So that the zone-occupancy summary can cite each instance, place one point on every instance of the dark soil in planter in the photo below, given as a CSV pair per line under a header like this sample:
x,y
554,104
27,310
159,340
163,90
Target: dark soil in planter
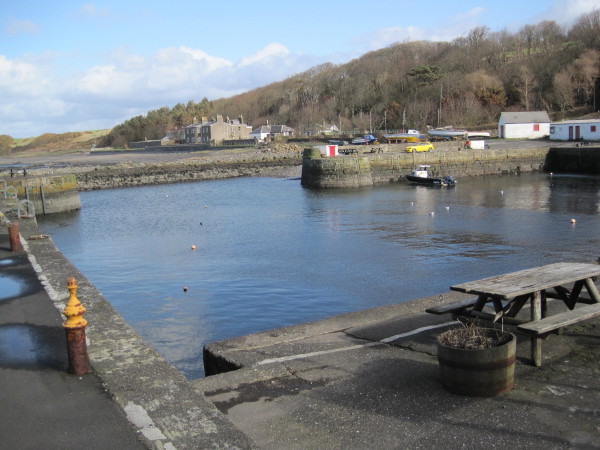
x,y
474,338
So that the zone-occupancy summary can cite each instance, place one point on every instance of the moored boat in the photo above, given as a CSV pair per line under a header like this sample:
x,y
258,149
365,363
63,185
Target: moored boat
x,y
421,176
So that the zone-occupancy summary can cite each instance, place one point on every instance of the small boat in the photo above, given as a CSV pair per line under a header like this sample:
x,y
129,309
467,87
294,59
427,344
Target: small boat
x,y
409,136
367,139
472,134
446,133
421,176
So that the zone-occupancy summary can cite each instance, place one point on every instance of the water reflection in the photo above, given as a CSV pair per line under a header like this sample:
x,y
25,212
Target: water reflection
x,y
270,253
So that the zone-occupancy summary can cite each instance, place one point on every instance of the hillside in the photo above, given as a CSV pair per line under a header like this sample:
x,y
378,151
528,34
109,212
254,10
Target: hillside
x,y
57,143
463,83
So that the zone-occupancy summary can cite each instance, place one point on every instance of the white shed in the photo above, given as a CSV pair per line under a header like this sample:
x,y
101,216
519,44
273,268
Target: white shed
x,y
574,130
524,125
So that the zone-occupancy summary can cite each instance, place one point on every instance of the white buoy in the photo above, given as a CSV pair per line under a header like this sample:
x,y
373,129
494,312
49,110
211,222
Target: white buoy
x,y
447,207
193,247
573,221
502,192
432,213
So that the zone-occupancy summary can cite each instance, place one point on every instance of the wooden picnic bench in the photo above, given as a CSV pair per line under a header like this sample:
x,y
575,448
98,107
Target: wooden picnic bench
x,y
508,293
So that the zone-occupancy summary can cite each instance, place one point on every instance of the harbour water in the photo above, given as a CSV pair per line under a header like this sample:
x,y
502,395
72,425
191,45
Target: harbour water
x,y
270,253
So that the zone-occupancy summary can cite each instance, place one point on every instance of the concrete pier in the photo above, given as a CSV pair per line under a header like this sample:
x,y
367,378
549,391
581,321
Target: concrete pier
x,y
389,164
49,194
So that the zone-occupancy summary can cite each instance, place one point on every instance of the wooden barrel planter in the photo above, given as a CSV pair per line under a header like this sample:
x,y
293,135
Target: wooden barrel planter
x,y
478,372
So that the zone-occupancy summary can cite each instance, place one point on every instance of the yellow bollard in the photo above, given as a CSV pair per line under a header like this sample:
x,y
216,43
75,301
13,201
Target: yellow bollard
x,y
75,331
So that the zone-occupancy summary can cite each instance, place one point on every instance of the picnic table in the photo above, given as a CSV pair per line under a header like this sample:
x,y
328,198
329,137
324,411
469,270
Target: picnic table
x,y
508,293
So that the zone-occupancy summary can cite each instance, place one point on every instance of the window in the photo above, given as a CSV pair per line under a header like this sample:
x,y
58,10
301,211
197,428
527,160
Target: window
x,y
552,130
536,127
593,128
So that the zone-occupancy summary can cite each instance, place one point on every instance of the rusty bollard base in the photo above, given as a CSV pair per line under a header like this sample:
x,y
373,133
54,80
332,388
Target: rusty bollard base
x,y
14,237
75,332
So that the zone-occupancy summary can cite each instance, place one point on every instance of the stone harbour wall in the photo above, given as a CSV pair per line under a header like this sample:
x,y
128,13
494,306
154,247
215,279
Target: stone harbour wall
x,y
110,177
378,167
49,194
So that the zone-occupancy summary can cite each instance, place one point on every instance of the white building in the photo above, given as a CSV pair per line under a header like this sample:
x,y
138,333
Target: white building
x,y
524,125
271,131
574,130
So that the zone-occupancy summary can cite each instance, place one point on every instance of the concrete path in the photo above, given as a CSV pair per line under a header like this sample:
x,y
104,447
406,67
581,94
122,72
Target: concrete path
x,y
363,380
371,380
42,405
132,399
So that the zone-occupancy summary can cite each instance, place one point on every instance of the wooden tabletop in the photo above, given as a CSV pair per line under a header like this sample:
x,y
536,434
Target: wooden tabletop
x,y
530,280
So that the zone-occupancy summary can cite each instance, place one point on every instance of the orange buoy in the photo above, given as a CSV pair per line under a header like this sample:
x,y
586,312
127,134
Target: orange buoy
x,y
193,247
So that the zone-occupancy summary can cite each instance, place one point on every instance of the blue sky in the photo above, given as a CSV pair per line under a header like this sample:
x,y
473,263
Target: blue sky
x,y
76,65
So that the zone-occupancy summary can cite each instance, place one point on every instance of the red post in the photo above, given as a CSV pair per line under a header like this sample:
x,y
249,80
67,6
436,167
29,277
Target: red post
x,y
14,237
79,363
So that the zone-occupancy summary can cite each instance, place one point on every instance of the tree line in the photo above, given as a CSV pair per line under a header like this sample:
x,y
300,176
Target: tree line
x,y
463,83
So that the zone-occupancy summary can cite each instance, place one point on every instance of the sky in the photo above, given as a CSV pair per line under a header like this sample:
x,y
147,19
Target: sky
x,y
75,65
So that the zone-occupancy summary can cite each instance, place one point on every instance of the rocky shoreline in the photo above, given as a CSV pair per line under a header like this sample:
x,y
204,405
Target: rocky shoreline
x,y
114,177
125,170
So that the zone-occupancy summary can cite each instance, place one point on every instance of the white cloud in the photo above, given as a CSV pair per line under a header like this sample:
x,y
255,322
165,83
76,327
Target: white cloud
x,y
90,10
566,12
15,27
21,79
271,52
127,84
390,35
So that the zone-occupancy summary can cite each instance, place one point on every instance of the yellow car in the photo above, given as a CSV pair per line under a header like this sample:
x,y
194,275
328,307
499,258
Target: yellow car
x,y
420,147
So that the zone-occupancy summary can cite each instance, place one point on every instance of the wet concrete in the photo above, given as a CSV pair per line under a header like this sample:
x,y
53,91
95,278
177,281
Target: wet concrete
x,y
132,399
368,379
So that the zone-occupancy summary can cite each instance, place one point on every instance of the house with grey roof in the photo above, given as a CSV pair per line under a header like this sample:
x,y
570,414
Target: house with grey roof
x,y
271,131
524,125
215,131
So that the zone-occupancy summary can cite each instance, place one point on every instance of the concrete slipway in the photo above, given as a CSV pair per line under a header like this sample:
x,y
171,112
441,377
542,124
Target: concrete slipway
x,y
362,380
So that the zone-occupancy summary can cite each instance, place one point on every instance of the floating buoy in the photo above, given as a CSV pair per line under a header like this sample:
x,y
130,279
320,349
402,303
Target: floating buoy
x,y
502,192
447,207
185,289
573,221
432,213
193,247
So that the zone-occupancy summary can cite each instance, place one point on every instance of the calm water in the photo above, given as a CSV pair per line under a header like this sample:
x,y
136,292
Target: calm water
x,y
270,253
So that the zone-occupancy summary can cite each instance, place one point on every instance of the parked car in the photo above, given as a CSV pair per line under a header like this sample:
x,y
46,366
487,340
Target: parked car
x,y
420,147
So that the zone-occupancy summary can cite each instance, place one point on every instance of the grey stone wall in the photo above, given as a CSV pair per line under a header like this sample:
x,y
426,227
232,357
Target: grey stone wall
x,y
367,169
